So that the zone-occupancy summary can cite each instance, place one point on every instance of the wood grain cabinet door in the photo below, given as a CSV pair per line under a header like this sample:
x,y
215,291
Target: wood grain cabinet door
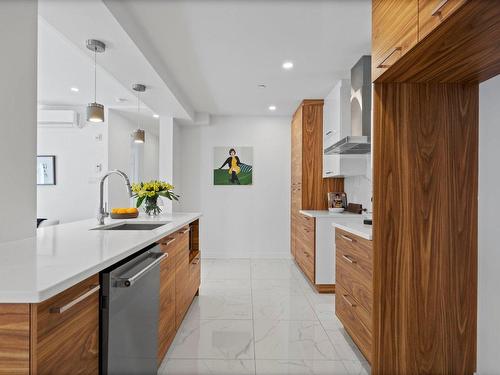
x,y
394,32
182,276
166,322
432,12
68,331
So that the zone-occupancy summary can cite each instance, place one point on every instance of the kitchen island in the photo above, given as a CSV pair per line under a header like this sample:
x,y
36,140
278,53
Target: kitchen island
x,y
49,289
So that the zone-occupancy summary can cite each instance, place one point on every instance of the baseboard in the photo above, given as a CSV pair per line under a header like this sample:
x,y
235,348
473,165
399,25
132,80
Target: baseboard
x,y
325,288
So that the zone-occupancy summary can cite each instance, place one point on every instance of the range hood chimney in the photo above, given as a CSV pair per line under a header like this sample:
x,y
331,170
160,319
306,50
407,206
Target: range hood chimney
x,y
359,142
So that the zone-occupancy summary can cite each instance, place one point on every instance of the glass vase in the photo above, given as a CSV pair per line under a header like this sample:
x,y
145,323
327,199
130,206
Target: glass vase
x,y
151,206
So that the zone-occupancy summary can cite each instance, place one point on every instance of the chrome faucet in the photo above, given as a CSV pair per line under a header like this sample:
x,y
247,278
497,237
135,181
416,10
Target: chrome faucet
x,y
102,209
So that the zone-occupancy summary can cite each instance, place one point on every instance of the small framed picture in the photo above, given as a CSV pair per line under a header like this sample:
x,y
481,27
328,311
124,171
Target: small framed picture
x,y
46,170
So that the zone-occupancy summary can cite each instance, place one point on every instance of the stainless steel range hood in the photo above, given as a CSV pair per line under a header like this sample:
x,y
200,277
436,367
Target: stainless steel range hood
x,y
359,142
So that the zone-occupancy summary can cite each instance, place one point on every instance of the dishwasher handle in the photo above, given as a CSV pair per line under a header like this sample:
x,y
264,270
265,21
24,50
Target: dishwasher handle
x,y
129,281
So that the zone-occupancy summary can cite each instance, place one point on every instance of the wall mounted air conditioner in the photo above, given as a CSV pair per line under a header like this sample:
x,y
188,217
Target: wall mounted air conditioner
x,y
58,118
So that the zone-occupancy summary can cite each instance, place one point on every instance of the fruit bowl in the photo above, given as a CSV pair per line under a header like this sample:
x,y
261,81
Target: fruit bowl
x,y
124,213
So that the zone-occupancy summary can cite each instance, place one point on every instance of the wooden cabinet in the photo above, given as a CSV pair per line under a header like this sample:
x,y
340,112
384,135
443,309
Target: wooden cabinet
x,y
394,32
354,288
57,336
180,278
167,327
309,189
432,12
67,331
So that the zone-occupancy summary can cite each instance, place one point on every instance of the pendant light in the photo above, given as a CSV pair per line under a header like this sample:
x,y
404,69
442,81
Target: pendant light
x,y
95,111
139,135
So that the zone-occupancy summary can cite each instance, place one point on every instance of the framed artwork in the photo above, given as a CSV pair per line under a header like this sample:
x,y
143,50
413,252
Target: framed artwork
x,y
46,170
233,165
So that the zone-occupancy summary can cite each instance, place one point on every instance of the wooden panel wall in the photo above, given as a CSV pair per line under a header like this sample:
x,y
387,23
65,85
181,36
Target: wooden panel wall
x,y
425,228
14,339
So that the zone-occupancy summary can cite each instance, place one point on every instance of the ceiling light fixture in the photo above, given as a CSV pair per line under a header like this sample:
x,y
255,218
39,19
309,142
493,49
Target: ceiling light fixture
x,y
95,111
139,136
156,116
262,86
287,65
272,108
75,89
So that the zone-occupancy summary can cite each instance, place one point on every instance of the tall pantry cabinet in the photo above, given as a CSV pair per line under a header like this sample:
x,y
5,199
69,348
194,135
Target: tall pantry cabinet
x,y
309,189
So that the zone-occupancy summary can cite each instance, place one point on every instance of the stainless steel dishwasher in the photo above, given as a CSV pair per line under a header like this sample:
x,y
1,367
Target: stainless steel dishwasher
x,y
129,314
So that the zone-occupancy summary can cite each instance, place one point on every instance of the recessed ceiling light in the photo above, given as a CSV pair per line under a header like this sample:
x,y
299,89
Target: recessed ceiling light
x,y
75,89
156,116
262,86
272,108
287,65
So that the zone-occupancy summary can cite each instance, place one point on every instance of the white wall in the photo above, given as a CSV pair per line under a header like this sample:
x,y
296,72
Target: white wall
x,y
177,156
138,161
166,166
78,151
489,227
239,221
18,74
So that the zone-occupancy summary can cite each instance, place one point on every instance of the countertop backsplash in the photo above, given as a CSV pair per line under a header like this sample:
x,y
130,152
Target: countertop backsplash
x,y
359,190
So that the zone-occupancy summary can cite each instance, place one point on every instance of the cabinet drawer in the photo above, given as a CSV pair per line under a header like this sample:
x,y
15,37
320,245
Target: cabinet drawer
x,y
356,320
68,331
394,32
356,284
355,251
432,12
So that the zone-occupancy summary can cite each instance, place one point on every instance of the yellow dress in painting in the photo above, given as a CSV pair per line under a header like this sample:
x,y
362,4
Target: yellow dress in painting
x,y
234,166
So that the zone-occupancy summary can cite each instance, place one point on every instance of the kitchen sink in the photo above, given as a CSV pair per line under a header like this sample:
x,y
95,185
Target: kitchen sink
x,y
132,226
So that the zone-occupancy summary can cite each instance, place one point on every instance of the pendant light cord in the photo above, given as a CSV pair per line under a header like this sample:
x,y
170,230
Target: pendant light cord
x,y
95,75
138,110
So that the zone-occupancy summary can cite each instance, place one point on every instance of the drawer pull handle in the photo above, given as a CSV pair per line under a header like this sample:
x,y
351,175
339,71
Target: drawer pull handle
x,y
185,231
391,52
328,132
347,238
306,254
69,305
195,261
437,10
349,259
347,300
169,241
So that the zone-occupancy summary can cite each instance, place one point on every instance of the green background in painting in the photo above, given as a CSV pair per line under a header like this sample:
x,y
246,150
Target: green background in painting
x,y
222,177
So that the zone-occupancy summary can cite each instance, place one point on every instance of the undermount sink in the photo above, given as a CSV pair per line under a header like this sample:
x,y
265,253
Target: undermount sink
x,y
132,226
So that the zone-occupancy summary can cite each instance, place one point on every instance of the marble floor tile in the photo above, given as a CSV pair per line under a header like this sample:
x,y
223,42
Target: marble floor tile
x,y
299,367
223,306
213,339
271,269
282,307
218,287
344,345
357,367
228,269
290,287
292,340
295,328
207,367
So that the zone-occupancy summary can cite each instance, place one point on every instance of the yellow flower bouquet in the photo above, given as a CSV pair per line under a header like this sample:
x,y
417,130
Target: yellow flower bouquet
x,y
148,193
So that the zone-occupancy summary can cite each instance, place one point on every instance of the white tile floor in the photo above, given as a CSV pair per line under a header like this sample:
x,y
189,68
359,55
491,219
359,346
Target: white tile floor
x,y
260,317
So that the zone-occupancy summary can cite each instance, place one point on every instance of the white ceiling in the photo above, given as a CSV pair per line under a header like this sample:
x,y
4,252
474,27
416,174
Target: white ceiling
x,y
61,65
216,52
78,21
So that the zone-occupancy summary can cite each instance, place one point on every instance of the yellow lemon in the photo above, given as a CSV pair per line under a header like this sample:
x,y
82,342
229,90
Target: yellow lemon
x,y
131,210
114,210
121,211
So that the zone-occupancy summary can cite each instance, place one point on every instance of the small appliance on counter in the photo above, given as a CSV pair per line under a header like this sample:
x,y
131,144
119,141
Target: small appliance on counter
x,y
337,202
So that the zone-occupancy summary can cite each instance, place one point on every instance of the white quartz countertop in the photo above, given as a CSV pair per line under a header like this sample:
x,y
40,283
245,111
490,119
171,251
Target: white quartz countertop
x,y
355,227
35,269
328,214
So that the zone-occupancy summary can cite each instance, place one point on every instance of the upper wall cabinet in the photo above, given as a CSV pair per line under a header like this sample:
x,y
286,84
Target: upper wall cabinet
x,y
337,114
395,32
432,12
